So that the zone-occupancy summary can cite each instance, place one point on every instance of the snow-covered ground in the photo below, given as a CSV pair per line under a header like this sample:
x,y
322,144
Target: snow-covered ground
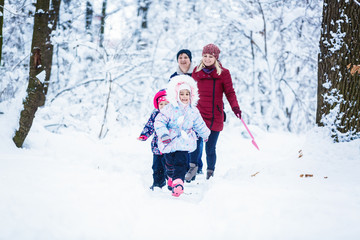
x,y
73,186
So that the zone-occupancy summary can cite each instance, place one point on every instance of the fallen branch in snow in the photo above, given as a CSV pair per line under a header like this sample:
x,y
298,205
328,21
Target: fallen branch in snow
x,y
354,69
306,175
253,175
300,153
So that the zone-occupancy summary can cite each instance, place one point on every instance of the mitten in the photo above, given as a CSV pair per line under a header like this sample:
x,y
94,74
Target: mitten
x,y
165,139
205,140
142,138
237,111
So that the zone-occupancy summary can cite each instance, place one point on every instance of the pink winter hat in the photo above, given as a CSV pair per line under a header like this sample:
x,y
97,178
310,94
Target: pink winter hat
x,y
159,97
211,49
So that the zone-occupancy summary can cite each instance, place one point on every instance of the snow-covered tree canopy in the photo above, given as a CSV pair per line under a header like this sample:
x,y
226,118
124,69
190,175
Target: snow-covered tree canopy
x,y
270,48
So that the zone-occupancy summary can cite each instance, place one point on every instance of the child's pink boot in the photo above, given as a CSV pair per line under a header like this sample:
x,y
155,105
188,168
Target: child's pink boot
x,y
178,187
170,183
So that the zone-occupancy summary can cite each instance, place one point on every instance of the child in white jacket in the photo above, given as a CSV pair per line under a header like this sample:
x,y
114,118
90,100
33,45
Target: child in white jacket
x,y
176,125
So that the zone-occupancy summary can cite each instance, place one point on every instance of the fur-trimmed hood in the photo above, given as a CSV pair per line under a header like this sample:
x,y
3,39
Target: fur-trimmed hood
x,y
173,89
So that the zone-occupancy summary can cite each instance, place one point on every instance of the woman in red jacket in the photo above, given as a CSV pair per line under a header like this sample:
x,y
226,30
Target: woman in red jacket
x,y
213,82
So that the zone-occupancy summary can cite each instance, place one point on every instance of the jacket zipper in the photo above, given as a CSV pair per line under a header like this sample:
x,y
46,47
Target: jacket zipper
x,y
213,106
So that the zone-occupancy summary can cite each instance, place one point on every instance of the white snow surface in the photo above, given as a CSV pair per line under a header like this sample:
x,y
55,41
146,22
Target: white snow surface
x,y
74,186
69,185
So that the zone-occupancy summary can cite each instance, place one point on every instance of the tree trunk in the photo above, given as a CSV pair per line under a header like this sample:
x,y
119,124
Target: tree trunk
x,y
88,17
1,26
142,12
338,104
102,27
45,22
143,7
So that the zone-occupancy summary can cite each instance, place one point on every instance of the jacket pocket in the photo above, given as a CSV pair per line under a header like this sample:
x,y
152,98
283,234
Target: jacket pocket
x,y
221,112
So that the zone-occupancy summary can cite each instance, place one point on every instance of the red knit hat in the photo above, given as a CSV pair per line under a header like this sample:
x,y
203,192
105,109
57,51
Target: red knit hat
x,y
159,96
211,49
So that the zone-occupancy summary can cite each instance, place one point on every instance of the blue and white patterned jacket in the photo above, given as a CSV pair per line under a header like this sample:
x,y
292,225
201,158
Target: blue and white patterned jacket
x,y
149,130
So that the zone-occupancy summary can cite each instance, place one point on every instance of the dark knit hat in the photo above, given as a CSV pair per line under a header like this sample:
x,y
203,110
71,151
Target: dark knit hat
x,y
211,49
186,51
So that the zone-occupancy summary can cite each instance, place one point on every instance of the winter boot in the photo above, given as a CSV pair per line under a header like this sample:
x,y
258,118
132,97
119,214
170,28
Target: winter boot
x,y
191,174
209,173
170,183
159,185
178,187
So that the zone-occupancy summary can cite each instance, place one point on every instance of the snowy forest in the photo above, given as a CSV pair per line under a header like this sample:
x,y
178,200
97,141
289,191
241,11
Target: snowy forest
x,y
77,84
108,58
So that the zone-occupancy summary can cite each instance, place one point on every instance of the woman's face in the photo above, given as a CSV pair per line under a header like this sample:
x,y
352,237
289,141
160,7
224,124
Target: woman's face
x,y
184,96
184,62
208,59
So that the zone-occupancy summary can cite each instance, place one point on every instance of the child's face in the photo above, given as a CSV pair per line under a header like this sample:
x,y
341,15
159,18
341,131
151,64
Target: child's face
x,y
184,96
162,104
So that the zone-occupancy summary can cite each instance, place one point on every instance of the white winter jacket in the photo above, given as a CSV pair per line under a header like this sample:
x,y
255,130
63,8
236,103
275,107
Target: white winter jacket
x,y
180,122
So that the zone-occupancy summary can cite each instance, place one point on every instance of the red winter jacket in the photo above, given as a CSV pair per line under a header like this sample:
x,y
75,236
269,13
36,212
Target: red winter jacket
x,y
211,89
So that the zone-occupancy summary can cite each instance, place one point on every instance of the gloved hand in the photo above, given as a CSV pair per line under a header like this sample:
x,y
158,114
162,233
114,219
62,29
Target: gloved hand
x,y
165,139
142,138
237,111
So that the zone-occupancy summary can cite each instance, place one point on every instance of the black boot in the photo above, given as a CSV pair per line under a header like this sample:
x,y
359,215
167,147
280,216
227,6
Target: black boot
x,y
209,173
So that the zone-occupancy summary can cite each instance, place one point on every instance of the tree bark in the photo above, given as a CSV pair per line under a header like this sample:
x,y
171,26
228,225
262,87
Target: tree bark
x,y
338,103
1,26
45,22
102,27
88,17
142,12
143,7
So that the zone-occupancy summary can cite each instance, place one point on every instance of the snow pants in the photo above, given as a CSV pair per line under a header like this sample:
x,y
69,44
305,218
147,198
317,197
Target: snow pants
x,y
195,156
158,169
210,149
176,164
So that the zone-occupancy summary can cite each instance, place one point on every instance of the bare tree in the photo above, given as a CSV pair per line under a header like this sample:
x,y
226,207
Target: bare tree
x,y
88,17
338,104
45,22
143,8
1,25
102,26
